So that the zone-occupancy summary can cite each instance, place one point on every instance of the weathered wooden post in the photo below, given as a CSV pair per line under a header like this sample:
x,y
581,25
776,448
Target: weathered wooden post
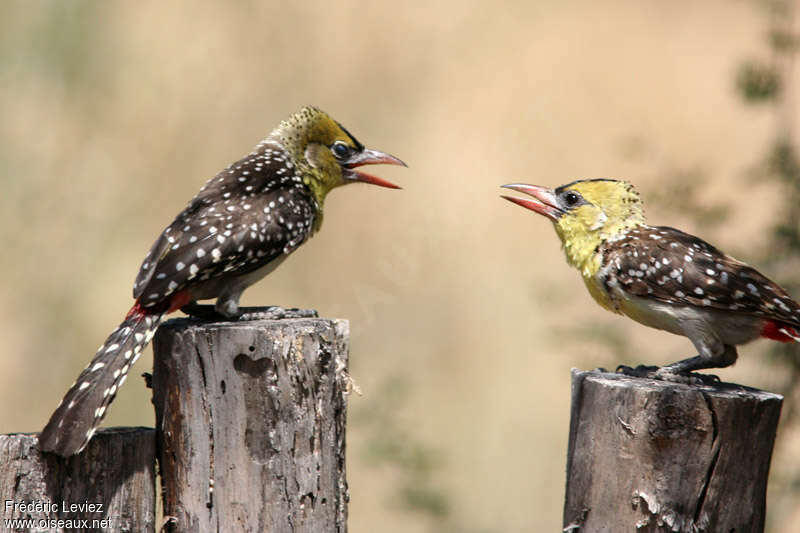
x,y
653,456
110,486
251,424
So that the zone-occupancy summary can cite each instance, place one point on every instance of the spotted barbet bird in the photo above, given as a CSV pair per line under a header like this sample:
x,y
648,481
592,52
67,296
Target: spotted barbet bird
x,y
241,225
662,277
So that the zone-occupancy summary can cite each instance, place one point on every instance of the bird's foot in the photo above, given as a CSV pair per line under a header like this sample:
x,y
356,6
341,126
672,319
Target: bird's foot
x,y
244,314
666,373
275,313
641,371
687,378
203,312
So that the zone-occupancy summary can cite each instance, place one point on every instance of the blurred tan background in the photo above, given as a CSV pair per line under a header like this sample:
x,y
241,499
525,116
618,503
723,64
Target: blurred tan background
x,y
465,318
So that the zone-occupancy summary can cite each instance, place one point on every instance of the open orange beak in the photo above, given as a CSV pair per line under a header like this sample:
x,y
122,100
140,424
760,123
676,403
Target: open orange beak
x,y
370,157
545,202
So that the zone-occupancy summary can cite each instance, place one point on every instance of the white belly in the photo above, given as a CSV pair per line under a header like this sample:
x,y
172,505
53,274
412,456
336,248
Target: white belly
x,y
688,320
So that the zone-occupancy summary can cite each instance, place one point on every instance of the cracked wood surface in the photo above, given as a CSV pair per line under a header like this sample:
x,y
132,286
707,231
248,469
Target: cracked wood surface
x,y
110,486
252,424
655,456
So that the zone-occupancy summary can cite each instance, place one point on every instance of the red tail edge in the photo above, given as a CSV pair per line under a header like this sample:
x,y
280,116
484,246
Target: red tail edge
x,y
780,332
178,300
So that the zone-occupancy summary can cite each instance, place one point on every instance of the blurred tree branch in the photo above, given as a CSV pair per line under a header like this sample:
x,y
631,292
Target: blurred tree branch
x,y
771,83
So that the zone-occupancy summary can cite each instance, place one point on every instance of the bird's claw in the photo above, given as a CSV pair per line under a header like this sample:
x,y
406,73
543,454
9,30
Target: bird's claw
x,y
665,373
641,371
275,313
203,312
687,378
245,314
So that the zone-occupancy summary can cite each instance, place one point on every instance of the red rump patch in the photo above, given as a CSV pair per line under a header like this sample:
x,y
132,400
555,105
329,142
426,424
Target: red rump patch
x,y
779,332
178,300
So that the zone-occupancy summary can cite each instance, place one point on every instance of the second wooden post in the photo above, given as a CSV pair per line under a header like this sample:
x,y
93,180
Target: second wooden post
x,y
654,456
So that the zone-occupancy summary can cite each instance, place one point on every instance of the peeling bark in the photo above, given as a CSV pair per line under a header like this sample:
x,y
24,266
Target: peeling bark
x,y
250,419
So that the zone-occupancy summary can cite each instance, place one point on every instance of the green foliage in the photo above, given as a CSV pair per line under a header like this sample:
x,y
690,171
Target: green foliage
x,y
426,500
783,164
419,467
391,444
74,33
783,41
757,82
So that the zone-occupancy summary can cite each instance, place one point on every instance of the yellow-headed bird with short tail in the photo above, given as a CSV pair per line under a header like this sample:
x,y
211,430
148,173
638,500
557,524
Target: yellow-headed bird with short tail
x,y
660,276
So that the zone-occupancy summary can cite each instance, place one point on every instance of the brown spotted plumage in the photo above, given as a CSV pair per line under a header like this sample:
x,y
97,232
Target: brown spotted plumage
x,y
241,225
673,267
661,276
253,212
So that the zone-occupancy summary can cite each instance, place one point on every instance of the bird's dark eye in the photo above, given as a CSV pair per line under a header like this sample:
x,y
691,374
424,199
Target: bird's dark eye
x,y
340,150
572,198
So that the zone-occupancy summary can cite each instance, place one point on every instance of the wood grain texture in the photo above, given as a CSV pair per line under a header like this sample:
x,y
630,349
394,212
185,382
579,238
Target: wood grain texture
x,y
110,485
251,419
655,456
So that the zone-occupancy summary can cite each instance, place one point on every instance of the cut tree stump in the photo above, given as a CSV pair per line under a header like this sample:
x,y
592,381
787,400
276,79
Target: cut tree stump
x,y
110,486
654,456
250,419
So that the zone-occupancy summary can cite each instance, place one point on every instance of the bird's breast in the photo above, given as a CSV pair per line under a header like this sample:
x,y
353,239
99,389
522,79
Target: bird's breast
x,y
600,293
657,314
214,287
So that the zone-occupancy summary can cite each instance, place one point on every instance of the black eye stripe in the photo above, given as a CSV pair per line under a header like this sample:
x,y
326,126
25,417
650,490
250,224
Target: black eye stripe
x,y
358,146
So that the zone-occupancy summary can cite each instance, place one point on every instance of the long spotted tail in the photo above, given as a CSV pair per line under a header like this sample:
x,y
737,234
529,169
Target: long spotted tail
x,y
80,412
